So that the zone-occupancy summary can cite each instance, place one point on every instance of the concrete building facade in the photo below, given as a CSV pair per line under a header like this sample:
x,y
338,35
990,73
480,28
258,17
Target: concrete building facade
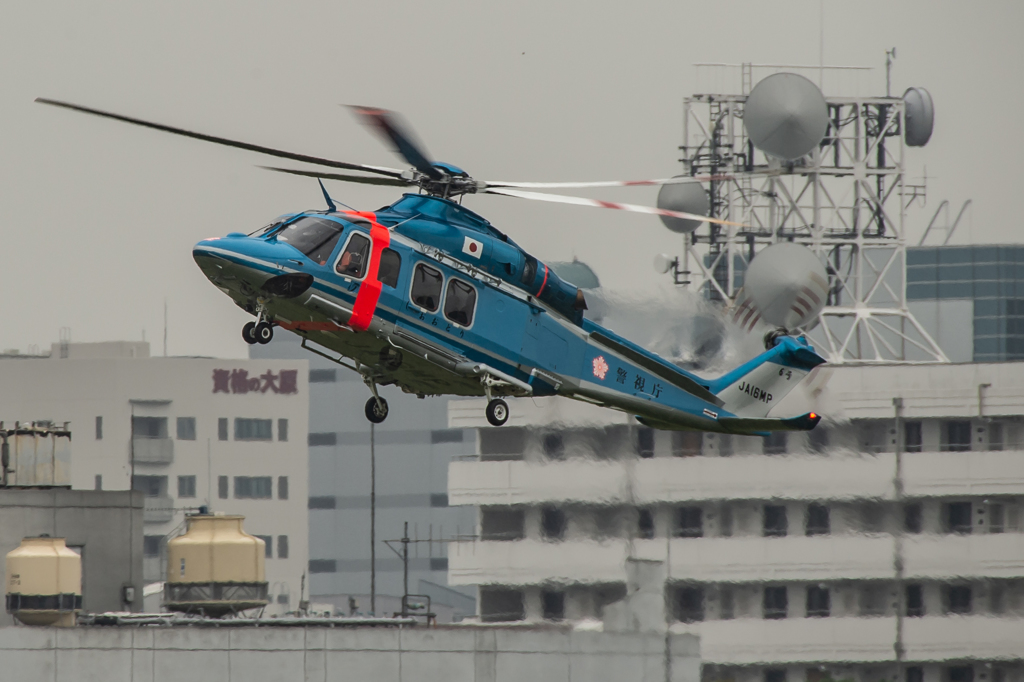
x,y
104,527
869,549
412,450
186,432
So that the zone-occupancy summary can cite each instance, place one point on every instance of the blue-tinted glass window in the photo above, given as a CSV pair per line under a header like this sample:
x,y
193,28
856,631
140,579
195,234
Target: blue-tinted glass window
x,y
985,289
956,273
925,256
986,345
955,255
921,273
988,326
986,254
955,290
921,291
988,308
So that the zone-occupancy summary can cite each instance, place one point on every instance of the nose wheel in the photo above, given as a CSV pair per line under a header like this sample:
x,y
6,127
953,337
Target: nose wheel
x,y
497,412
376,410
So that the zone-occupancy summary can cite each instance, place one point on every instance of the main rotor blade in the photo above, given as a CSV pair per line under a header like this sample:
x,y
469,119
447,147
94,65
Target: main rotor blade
x,y
679,180
379,170
364,179
388,125
580,201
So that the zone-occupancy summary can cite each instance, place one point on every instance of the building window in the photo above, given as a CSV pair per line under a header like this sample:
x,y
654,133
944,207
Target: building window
x,y
99,482
323,566
282,487
996,518
268,545
686,443
912,437
958,599
186,486
995,436
913,521
322,376
553,604
446,436
817,521
501,524
956,436
689,522
726,603
645,442
253,487
914,673
957,517
690,604
915,601
322,502
552,523
151,545
819,602
774,521
324,438
150,486
282,430
149,427
439,563
438,499
554,448
253,429
775,443
774,675
186,427
874,599
99,428
959,673
645,524
222,428
499,605
776,602
222,487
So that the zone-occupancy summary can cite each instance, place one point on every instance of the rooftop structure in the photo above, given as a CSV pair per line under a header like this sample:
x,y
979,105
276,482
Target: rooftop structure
x,y
886,544
186,432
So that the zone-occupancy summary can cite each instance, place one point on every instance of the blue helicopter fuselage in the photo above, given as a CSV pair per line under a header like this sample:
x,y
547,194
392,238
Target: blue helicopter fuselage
x,y
428,296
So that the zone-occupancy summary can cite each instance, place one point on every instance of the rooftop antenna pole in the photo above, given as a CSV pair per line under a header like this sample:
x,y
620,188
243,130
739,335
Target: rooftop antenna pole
x,y
821,44
890,55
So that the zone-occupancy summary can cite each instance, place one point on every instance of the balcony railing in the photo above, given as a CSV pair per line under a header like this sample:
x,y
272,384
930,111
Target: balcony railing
x,y
152,450
158,510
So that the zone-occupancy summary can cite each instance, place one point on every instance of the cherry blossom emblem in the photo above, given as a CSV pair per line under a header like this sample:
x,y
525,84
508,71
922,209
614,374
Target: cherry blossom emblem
x,y
600,367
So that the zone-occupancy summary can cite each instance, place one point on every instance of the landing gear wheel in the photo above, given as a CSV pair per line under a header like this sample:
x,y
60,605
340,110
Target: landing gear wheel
x,y
497,412
376,413
772,338
263,332
249,333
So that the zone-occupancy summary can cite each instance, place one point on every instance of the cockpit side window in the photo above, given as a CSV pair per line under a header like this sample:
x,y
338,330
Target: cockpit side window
x,y
315,237
529,271
460,302
426,287
390,266
355,257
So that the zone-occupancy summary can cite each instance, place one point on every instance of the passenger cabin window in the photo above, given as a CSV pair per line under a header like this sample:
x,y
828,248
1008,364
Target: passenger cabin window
x,y
355,257
390,265
426,287
459,303
315,237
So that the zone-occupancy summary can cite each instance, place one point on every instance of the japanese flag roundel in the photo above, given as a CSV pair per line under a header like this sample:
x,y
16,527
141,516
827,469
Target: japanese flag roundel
x,y
472,247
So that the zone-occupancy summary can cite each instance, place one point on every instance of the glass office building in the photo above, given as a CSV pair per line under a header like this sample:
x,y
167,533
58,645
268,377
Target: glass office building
x,y
947,286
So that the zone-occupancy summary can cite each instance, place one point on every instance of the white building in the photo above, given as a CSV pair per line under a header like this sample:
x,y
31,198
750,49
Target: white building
x,y
226,434
829,555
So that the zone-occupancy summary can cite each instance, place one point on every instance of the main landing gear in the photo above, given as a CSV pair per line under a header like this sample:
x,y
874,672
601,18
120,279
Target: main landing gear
x,y
258,331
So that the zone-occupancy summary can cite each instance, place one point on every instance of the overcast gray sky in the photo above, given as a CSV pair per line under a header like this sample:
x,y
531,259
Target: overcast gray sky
x,y
99,218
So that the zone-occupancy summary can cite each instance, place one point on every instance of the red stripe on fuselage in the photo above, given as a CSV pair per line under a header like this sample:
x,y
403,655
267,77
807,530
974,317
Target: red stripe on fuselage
x,y
369,290
544,283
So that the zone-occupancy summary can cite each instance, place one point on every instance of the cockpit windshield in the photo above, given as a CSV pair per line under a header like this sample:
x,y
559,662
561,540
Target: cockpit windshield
x,y
316,237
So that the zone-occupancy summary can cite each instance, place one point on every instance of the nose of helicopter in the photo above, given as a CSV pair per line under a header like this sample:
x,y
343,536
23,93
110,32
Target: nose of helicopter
x,y
230,260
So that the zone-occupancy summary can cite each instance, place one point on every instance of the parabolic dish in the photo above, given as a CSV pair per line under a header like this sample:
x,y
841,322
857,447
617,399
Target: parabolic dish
x,y
919,117
686,197
786,116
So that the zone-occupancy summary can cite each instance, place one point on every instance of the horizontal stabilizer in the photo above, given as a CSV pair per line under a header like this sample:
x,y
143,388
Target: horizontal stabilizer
x,y
761,427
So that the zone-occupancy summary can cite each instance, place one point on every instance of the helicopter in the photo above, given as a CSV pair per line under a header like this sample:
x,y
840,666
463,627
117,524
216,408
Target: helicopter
x,y
428,296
